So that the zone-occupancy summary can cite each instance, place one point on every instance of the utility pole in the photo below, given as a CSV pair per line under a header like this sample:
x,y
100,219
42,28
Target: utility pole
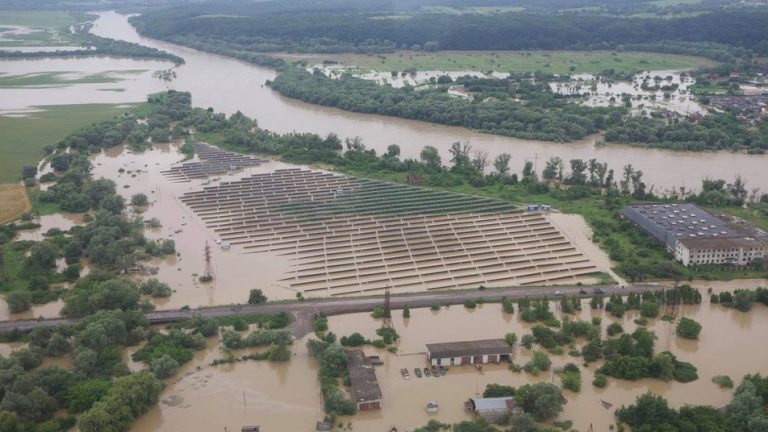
x,y
208,273
387,310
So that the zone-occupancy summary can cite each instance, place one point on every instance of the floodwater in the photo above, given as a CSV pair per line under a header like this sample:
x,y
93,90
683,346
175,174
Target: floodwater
x,y
272,389
237,270
229,85
133,81
280,396
575,228
597,91
235,273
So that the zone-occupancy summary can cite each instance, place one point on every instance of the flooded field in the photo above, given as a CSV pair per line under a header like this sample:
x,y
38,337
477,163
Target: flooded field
x,y
239,261
649,91
63,81
661,90
277,396
271,390
235,272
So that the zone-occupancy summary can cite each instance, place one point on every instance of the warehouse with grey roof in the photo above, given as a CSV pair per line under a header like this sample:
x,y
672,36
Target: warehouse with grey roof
x,y
695,236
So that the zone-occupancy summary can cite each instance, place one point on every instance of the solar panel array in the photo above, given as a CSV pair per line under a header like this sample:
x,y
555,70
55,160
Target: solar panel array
x,y
212,161
351,235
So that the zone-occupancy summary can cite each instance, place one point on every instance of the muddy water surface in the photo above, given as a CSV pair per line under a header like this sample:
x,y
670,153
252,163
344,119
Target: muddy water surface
x,y
229,85
236,273
286,396
727,334
277,396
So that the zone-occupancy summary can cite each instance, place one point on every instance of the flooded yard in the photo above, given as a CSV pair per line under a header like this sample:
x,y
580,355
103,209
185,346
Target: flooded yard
x,y
286,396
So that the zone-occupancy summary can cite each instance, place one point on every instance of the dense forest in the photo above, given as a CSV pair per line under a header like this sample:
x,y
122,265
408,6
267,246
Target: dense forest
x,y
333,31
542,118
517,107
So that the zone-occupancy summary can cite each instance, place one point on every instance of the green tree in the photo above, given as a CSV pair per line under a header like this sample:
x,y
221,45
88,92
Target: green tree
x,y
164,366
541,400
688,328
430,157
511,339
522,423
256,297
81,396
9,422
406,312
18,301
501,164
139,199
498,390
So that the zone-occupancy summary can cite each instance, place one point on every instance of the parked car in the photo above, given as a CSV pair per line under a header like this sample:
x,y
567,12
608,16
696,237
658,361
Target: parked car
x,y
599,291
559,293
582,291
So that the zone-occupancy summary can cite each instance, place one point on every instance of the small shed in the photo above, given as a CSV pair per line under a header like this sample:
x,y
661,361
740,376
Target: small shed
x,y
492,409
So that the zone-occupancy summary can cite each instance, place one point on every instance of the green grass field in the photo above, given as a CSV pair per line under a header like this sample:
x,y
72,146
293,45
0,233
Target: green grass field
x,y
558,62
36,19
58,78
23,138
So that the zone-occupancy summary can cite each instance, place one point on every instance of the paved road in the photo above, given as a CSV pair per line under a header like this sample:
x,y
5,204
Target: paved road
x,y
337,306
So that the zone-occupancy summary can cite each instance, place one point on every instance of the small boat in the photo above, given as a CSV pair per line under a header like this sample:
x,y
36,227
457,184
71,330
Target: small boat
x,y
431,407
417,372
405,373
427,373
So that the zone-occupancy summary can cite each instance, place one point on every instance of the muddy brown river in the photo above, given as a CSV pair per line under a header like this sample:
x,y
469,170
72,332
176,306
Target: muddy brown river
x,y
229,85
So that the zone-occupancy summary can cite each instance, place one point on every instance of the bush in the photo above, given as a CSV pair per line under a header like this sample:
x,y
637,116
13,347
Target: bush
x,y
571,380
649,309
353,340
497,390
256,297
378,312
688,328
139,199
614,329
18,301
470,304
539,362
600,380
164,366
511,339
724,381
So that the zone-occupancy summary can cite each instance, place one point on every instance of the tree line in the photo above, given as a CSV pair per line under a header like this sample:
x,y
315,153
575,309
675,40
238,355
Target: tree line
x,y
349,30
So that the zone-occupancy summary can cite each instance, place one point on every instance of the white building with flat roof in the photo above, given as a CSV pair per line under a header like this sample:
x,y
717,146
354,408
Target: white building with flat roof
x,y
721,250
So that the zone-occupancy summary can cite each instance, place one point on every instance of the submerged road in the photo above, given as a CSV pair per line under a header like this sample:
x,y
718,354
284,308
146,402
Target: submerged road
x,y
302,310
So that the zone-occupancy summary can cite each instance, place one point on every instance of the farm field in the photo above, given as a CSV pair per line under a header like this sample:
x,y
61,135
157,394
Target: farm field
x,y
557,62
24,137
13,202
36,19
